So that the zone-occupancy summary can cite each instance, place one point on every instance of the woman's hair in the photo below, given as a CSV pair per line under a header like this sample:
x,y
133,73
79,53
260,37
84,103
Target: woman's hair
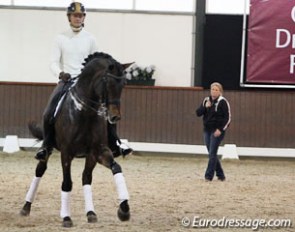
x,y
218,85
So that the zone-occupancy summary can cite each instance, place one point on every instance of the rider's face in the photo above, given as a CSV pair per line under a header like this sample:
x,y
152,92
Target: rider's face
x,y
76,19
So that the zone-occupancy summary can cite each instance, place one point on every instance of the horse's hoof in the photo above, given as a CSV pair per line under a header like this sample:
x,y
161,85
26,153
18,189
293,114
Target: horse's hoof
x,y
25,211
67,222
91,217
123,211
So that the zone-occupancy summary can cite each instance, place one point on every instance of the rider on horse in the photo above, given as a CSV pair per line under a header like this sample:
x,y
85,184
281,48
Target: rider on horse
x,y
69,51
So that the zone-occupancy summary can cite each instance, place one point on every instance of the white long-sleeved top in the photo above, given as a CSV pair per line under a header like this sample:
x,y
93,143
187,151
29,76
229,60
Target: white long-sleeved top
x,y
69,51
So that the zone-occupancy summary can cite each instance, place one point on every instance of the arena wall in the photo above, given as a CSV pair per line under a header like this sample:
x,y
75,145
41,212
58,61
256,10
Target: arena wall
x,y
167,114
161,114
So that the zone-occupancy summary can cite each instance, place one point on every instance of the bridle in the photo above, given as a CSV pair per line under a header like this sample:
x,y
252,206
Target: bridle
x,y
85,103
105,95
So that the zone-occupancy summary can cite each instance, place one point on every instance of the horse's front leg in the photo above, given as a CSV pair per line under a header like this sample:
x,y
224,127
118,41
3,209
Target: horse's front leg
x,y
90,164
108,161
66,188
30,197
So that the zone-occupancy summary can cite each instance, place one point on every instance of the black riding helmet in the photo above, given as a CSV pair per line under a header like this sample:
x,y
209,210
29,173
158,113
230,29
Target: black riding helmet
x,y
76,7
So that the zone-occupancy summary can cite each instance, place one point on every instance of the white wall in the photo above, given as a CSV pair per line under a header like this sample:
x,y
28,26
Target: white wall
x,y
213,6
227,6
165,41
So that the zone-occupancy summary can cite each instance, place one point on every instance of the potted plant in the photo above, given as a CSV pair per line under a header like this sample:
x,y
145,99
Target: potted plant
x,y
137,75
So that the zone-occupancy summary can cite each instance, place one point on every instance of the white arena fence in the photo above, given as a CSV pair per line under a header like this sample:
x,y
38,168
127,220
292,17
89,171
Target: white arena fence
x,y
12,144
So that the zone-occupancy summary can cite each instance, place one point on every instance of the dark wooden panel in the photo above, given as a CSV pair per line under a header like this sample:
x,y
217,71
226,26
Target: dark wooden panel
x,y
167,115
21,103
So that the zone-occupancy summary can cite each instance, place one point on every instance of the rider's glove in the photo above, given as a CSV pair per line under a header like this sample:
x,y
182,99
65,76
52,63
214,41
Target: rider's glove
x,y
64,76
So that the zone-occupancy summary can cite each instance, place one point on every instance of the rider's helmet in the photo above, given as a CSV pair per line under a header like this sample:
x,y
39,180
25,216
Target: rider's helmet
x,y
76,7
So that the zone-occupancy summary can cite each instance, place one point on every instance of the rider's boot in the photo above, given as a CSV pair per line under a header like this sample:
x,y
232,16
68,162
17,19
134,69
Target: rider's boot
x,y
118,148
125,149
47,146
48,124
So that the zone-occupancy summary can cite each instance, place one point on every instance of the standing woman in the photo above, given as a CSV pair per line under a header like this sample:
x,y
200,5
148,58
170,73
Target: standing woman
x,y
216,114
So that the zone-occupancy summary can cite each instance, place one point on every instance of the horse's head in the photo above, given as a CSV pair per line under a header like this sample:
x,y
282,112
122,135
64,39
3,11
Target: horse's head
x,y
106,79
113,88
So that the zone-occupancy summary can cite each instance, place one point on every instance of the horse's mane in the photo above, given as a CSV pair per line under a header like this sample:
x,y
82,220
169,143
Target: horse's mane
x,y
100,55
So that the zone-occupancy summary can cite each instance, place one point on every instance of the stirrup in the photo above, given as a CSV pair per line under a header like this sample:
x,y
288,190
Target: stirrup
x,y
120,151
124,149
127,151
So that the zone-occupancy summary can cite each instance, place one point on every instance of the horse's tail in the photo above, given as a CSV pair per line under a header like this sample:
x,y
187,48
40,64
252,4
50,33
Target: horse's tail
x,y
35,130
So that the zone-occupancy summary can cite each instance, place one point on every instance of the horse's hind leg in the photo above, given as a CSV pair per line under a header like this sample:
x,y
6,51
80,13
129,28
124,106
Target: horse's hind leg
x,y
123,195
39,172
90,163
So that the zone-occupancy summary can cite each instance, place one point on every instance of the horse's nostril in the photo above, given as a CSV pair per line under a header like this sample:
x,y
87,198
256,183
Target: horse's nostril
x,y
115,118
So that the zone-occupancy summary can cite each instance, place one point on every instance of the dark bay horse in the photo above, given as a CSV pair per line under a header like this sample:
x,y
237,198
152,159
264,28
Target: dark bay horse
x,y
81,130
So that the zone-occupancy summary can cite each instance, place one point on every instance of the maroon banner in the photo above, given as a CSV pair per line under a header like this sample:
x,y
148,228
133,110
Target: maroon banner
x,y
271,42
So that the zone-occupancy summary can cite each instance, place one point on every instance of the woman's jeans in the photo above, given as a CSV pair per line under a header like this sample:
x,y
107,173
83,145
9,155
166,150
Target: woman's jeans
x,y
212,144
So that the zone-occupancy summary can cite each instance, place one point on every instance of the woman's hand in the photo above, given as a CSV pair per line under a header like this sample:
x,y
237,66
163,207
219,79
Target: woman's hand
x,y
217,133
208,104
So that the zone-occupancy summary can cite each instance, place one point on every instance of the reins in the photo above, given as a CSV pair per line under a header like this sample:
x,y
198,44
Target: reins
x,y
99,107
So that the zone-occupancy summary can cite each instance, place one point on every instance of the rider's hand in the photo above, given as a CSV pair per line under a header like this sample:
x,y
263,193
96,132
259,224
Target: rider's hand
x,y
64,76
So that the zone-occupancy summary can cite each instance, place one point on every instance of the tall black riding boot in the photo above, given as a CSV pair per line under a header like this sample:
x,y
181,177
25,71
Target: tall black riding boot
x,y
48,121
113,139
47,146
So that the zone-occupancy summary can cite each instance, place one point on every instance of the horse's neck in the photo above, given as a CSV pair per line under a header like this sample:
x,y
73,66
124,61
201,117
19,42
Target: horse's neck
x,y
83,92
83,86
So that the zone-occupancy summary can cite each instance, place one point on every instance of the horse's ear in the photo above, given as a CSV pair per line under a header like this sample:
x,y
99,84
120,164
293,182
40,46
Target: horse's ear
x,y
125,66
